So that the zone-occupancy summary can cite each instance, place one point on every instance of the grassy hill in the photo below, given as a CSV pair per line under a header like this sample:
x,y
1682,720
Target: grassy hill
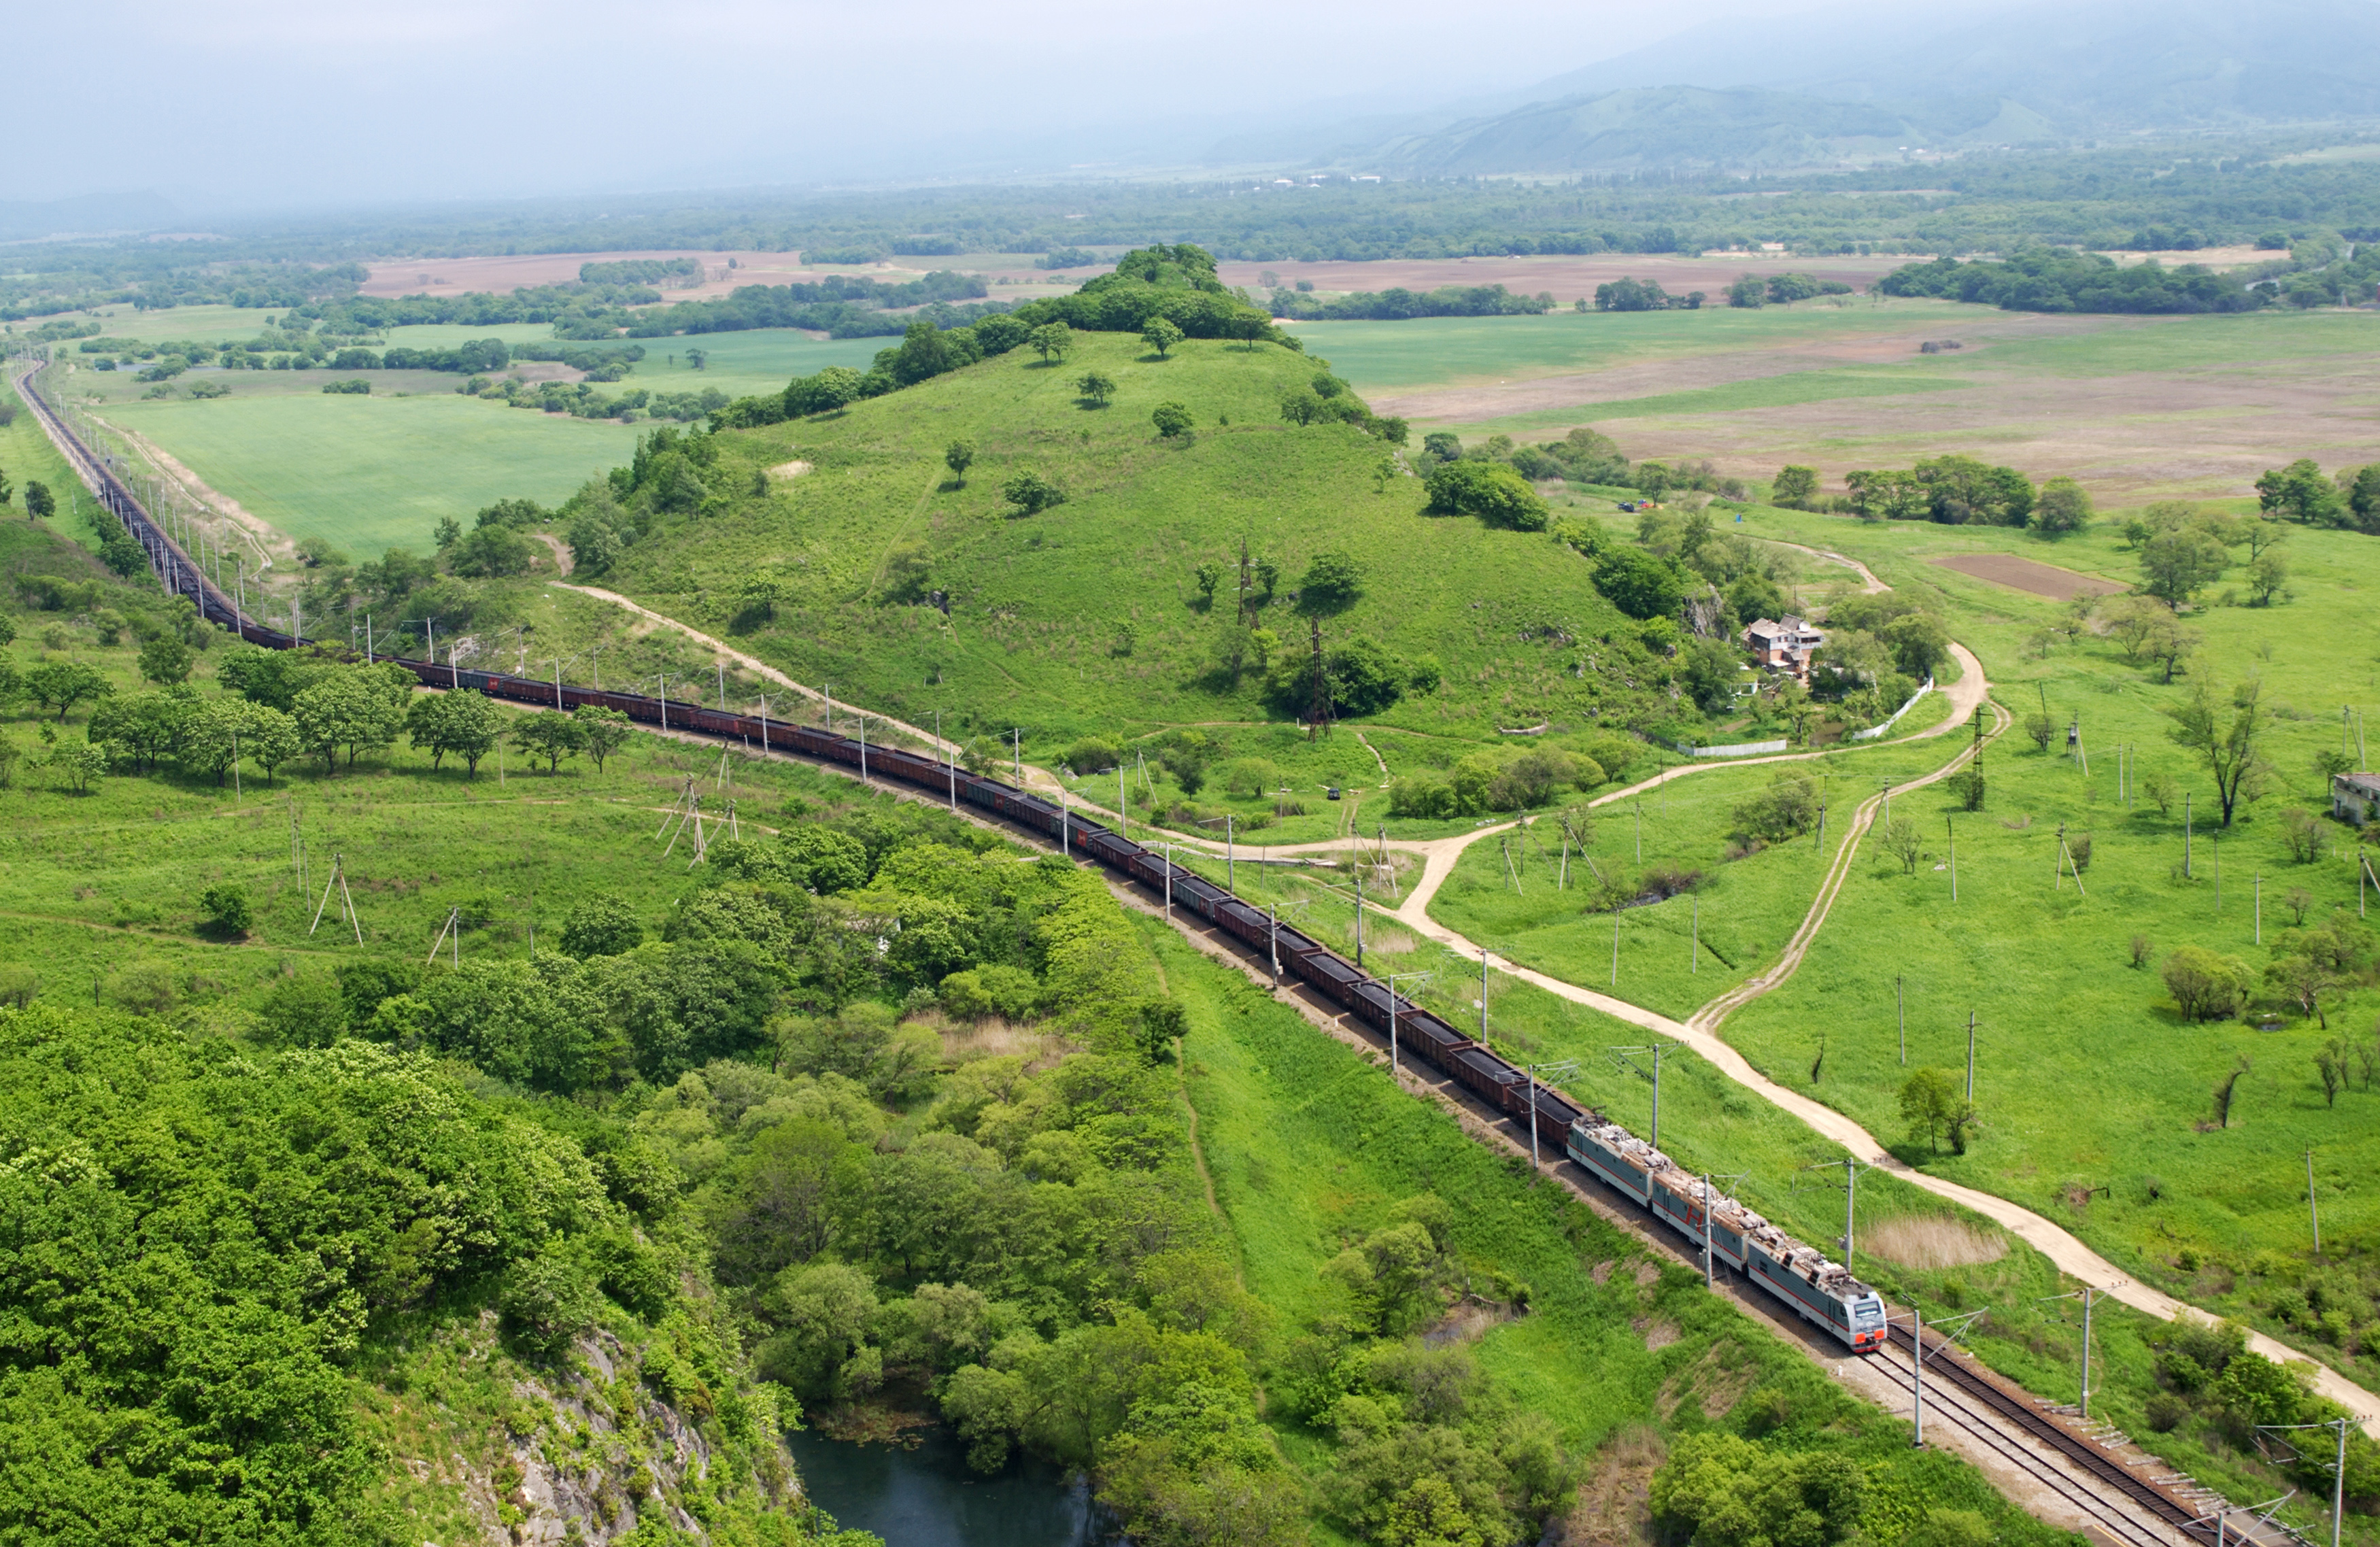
x,y
1085,617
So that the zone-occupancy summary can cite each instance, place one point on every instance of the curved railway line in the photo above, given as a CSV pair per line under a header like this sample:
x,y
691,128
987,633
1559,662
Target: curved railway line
x,y
2133,1511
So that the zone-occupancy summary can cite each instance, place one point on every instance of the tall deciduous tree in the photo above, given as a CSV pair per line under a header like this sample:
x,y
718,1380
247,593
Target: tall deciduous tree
x,y
2229,738
607,732
959,455
2178,564
2301,493
1161,334
2062,507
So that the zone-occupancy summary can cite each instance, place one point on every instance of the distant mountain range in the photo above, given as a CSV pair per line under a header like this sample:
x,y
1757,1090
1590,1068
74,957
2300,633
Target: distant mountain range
x,y
1784,91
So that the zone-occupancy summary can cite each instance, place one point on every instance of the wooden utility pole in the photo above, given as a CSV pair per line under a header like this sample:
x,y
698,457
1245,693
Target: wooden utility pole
x,y
1318,715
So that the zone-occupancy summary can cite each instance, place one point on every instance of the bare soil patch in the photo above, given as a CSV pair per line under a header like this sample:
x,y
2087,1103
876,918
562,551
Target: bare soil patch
x,y
789,469
2023,573
1612,1508
500,275
1929,1241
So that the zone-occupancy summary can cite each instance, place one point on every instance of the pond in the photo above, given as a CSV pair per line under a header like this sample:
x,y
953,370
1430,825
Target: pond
x,y
928,1497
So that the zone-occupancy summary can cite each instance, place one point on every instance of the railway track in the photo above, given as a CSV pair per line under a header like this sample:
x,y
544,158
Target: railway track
x,y
2133,1511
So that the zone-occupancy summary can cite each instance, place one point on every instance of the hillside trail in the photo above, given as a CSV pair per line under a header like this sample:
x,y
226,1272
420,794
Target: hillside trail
x,y
1700,1032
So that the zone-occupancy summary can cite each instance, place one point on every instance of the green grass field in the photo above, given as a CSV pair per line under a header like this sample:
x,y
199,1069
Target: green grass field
x,y
1036,635
372,473
1309,1144
1440,350
2087,1078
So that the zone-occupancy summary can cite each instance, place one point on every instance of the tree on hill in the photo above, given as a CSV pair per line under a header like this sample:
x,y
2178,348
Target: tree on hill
x,y
40,504
1097,386
1051,341
1794,488
65,684
1031,494
959,455
607,731
551,737
2178,564
1161,334
2230,739
164,658
1172,421
462,725
2063,507
1332,583
2301,493
1640,584
1491,490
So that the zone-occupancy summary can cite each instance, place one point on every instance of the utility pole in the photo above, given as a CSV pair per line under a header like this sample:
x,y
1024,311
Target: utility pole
x,y
1561,1070
1900,1004
1971,1057
1392,979
1624,1059
1016,753
1708,1275
1318,715
1483,995
2185,835
2313,1208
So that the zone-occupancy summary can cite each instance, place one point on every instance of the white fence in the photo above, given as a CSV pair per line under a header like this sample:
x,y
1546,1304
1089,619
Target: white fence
x,y
1874,731
1741,750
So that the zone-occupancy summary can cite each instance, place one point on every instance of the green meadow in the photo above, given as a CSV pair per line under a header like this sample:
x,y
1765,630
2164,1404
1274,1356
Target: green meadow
x,y
374,473
2095,1092
1309,1145
1707,1124
1085,616
1433,351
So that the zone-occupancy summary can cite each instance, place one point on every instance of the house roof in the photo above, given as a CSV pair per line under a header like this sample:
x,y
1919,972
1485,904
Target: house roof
x,y
2366,785
1771,628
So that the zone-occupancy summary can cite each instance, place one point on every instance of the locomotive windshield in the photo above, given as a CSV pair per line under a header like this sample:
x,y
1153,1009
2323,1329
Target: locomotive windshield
x,y
1868,1312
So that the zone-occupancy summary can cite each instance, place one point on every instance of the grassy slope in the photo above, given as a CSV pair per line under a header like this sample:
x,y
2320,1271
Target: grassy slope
x,y
1033,638
1309,1144
2086,1077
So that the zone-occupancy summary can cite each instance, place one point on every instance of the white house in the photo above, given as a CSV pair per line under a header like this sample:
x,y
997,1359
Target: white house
x,y
1784,645
2355,796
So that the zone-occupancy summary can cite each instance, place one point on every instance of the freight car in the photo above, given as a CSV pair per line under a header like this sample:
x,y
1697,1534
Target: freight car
x,y
1822,1292
1819,1291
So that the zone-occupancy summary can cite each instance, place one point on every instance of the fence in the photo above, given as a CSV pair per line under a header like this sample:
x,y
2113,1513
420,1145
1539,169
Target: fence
x,y
1874,731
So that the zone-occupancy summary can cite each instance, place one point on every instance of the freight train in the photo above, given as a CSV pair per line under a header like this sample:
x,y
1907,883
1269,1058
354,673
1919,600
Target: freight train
x,y
1822,1292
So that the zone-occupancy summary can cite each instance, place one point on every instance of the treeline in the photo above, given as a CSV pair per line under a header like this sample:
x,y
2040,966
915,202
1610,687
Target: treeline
x,y
2059,279
844,306
1162,293
1447,300
2109,198
640,270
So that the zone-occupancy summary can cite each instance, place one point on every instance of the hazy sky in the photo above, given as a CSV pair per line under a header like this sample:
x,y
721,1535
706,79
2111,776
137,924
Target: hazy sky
x,y
278,102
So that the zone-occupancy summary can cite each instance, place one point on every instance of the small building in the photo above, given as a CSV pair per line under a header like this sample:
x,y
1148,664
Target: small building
x,y
1784,645
2355,796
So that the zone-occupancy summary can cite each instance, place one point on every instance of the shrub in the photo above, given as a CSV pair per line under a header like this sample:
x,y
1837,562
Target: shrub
x,y
1494,493
600,925
227,910
980,992
2205,986
1030,492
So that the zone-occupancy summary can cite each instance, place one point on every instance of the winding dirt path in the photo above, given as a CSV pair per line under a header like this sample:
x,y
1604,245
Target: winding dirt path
x,y
756,666
1701,1031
